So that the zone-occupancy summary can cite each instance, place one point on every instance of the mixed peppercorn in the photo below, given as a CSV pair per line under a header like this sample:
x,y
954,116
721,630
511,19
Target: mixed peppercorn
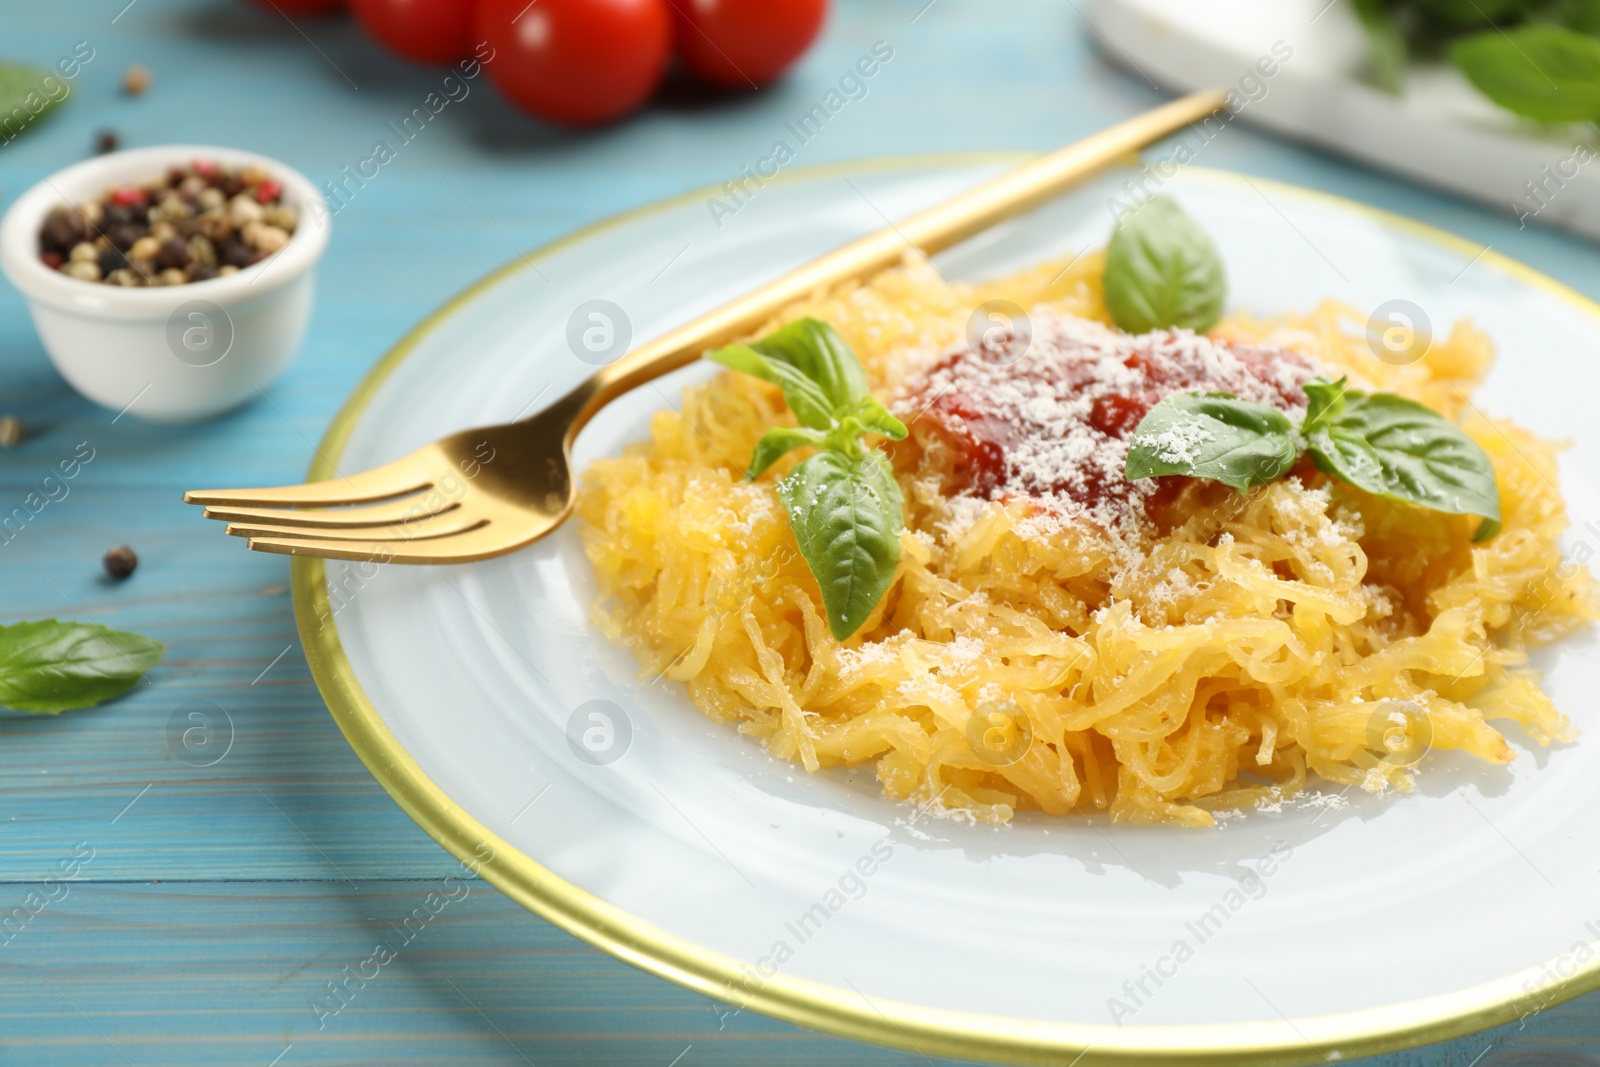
x,y
192,223
120,562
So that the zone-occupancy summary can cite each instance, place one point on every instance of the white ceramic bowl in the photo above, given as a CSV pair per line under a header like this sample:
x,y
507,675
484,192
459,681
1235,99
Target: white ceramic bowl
x,y
167,353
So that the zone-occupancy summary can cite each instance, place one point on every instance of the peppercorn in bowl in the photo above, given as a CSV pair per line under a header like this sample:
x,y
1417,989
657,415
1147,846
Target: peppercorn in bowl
x,y
172,283
200,220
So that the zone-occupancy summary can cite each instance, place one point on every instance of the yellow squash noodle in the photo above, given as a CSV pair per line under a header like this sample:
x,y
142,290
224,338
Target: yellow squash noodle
x,y
1304,629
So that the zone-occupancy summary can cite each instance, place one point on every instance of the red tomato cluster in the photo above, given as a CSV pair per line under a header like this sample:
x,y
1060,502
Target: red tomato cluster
x,y
582,62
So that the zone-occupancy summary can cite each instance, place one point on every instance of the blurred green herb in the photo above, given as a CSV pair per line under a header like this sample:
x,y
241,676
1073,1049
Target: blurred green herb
x,y
1547,73
1539,59
1387,41
24,98
49,666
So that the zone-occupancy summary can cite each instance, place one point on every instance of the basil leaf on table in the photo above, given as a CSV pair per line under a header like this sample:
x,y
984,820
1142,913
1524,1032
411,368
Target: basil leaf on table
x,y
1542,72
846,511
1239,443
48,667
1396,448
1386,44
22,96
1162,271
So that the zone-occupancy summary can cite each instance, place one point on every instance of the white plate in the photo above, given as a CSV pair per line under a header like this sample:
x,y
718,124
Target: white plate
x,y
1389,922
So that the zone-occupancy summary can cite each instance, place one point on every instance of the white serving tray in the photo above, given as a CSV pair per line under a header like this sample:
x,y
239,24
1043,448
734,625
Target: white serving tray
x,y
1441,132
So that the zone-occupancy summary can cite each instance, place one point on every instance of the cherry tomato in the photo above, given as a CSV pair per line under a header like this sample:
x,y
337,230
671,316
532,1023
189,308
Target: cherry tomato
x,y
428,31
744,44
578,62
302,7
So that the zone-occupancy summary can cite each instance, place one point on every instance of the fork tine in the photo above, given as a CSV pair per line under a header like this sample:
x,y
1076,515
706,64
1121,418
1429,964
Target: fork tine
x,y
483,542
408,474
444,525
381,551
400,511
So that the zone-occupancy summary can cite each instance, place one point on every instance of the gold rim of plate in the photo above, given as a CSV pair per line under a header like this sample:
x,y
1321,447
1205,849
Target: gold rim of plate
x,y
848,1013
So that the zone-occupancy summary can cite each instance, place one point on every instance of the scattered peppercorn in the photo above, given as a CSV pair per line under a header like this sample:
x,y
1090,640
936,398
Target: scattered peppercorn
x,y
191,224
135,80
120,562
105,141
11,431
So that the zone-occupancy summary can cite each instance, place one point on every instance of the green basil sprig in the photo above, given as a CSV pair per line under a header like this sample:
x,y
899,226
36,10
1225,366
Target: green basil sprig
x,y
1543,72
49,666
844,504
1215,436
1162,271
1386,42
1535,58
23,96
1385,444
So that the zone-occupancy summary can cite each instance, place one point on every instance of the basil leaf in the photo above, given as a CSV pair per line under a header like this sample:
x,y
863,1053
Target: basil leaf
x,y
1213,435
806,351
1386,44
1542,72
846,514
803,395
1162,270
817,351
843,503
873,416
1399,449
23,98
49,666
1470,14
778,442
1325,400
1580,15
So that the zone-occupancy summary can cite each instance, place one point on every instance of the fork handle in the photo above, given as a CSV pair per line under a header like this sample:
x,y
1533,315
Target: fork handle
x,y
928,231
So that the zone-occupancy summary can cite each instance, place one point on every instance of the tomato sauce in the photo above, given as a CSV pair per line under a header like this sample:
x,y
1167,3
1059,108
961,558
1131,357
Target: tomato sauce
x,y
1053,425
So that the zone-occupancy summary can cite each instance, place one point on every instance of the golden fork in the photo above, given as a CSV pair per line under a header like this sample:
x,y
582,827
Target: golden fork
x,y
526,490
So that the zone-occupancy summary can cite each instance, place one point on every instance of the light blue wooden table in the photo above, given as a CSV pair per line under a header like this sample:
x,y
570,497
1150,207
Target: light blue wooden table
x,y
220,900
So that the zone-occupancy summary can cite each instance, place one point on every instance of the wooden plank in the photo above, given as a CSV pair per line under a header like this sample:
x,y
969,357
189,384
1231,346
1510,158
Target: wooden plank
x,y
229,974
284,797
